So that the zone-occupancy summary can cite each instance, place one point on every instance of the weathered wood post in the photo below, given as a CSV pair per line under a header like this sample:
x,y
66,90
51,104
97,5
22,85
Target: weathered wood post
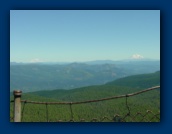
x,y
17,105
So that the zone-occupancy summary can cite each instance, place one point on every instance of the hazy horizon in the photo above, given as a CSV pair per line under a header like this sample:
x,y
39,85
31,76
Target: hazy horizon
x,y
88,61
84,35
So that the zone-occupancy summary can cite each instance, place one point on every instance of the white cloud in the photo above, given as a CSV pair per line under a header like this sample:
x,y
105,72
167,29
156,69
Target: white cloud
x,y
35,60
137,56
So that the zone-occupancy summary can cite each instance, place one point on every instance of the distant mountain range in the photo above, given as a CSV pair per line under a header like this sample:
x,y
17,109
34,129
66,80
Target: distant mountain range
x,y
88,62
39,76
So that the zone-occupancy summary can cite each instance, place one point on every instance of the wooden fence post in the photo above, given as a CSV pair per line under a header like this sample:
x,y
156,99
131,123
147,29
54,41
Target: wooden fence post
x,y
17,105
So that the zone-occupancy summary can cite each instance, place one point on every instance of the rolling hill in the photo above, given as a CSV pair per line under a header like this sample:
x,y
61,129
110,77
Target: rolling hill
x,y
138,81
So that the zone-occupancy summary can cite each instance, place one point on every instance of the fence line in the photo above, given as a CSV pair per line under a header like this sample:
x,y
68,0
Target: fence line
x,y
81,102
89,101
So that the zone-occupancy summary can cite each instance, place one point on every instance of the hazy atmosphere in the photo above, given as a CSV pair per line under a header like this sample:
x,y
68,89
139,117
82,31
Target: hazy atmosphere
x,y
84,35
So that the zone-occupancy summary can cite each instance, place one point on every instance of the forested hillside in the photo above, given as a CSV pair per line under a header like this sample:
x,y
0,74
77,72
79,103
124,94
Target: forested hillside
x,y
138,81
139,103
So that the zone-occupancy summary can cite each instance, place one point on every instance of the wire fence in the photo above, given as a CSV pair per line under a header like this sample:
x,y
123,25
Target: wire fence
x,y
73,111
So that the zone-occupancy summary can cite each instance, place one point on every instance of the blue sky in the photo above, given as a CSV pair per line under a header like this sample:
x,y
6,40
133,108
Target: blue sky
x,y
83,35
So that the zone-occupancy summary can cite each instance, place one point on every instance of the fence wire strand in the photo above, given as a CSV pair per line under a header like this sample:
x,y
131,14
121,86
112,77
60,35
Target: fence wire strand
x,y
22,115
127,105
71,112
47,112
